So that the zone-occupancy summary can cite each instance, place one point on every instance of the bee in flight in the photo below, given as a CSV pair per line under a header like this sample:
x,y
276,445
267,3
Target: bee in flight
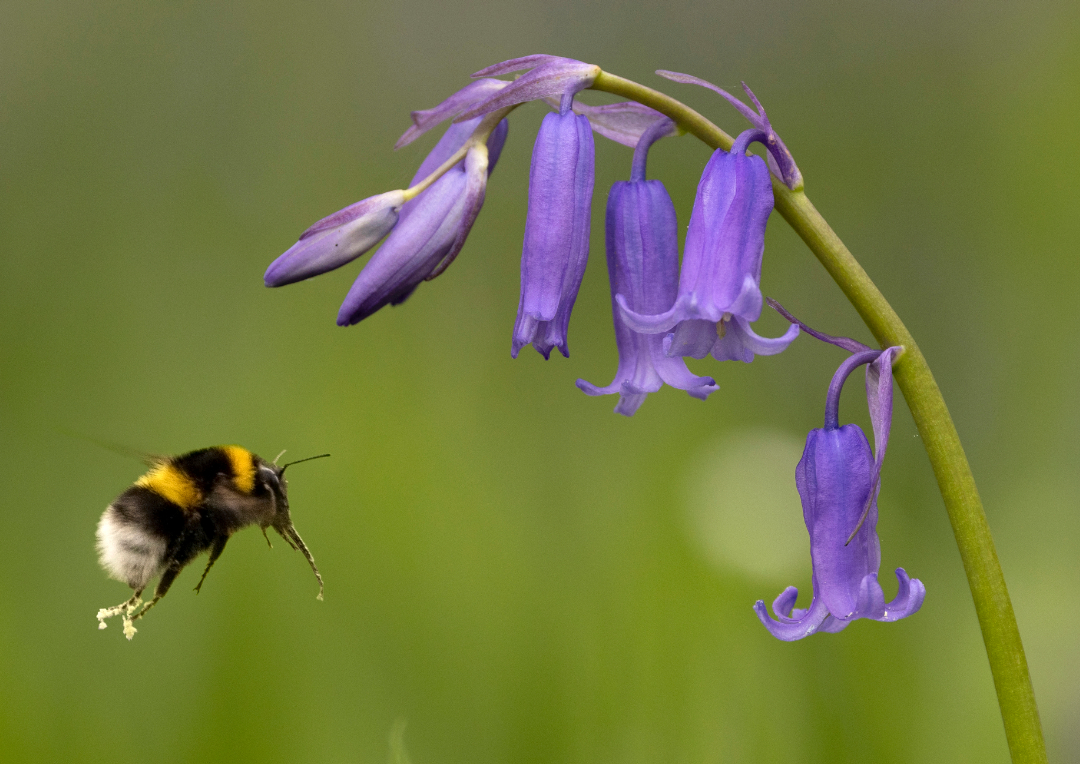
x,y
184,506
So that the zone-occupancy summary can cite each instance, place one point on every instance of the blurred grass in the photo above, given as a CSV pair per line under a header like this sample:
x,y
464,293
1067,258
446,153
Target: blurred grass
x,y
508,564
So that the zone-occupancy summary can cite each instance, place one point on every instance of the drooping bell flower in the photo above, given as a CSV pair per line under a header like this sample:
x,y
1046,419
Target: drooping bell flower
x,y
556,245
643,265
719,285
432,227
838,480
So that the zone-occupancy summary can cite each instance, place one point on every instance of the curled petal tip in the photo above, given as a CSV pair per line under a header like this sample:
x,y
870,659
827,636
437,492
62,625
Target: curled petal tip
x,y
646,324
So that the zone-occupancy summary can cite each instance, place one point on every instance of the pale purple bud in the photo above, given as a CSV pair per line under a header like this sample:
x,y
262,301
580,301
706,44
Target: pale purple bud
x,y
431,232
556,232
337,239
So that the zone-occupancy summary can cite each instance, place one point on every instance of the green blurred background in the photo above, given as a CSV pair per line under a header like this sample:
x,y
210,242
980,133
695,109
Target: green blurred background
x,y
514,571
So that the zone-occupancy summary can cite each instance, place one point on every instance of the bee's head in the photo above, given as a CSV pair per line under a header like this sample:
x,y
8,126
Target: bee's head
x,y
272,479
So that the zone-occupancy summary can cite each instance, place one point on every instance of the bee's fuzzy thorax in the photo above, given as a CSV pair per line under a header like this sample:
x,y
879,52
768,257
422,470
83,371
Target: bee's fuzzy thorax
x,y
170,482
243,467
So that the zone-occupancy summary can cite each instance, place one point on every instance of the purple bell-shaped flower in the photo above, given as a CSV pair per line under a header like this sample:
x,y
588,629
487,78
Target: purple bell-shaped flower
x,y
719,293
838,480
643,265
556,245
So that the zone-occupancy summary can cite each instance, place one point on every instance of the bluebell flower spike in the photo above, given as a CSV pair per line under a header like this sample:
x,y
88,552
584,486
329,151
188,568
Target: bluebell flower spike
x,y
643,264
556,244
838,479
719,285
780,159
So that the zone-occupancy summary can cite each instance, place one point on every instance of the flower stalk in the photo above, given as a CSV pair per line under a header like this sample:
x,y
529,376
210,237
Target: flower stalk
x,y
1001,635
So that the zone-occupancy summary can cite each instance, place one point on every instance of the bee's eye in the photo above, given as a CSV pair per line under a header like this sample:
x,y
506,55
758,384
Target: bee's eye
x,y
269,479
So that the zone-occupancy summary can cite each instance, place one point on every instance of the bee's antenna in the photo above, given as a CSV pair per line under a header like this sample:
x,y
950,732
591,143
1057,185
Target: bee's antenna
x,y
280,455
308,459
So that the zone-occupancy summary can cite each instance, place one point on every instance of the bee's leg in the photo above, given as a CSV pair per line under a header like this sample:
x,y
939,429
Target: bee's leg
x,y
166,581
124,607
215,552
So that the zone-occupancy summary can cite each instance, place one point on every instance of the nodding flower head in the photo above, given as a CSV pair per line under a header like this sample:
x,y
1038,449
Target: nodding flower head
x,y
838,480
719,286
643,265
556,232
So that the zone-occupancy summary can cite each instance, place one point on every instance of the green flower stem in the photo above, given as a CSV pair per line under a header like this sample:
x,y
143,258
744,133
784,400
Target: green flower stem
x,y
1016,697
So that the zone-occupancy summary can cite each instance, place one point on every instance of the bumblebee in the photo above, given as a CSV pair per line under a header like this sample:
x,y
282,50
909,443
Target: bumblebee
x,y
184,506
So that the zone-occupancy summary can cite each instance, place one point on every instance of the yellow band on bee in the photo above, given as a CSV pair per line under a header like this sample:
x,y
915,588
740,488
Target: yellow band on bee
x,y
173,484
243,464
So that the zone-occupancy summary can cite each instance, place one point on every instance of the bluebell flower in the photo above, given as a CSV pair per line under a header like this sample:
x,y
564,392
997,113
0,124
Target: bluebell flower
x,y
643,265
556,245
719,284
838,480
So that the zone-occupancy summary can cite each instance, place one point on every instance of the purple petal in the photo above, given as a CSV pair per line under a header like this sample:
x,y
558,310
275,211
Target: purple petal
x,y
879,400
411,252
556,232
726,237
429,237
694,338
623,122
847,343
790,629
552,76
525,62
909,598
741,343
463,99
478,168
758,120
337,239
